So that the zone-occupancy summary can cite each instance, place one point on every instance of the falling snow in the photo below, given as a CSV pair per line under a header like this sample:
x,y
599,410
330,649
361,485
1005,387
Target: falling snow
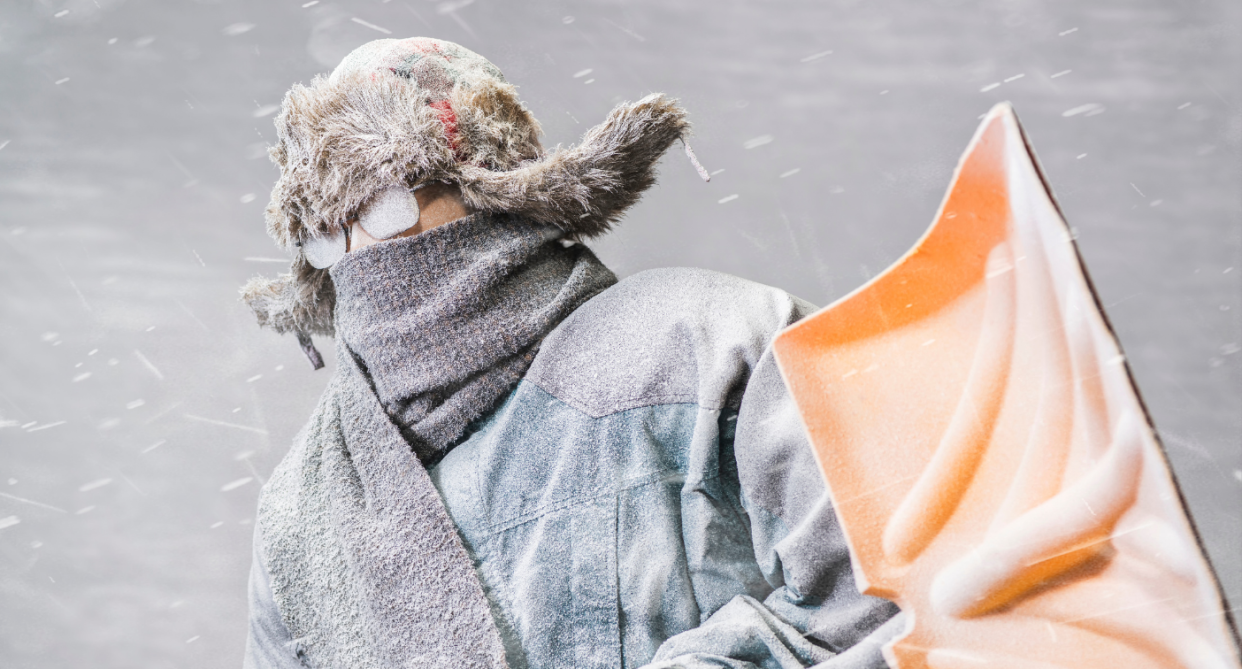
x,y
757,142
235,29
233,485
94,484
1090,109
370,25
141,409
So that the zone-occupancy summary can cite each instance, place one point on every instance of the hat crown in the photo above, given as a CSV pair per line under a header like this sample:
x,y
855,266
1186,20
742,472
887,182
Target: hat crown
x,y
434,66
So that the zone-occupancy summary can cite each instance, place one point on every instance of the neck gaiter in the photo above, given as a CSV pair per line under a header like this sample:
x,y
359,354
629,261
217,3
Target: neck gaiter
x,y
445,323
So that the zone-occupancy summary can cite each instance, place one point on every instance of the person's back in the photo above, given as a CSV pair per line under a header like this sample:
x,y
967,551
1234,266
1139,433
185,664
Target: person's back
x,y
521,462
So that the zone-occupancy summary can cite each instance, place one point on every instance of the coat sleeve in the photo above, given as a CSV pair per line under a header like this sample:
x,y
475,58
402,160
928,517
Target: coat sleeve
x,y
268,644
814,615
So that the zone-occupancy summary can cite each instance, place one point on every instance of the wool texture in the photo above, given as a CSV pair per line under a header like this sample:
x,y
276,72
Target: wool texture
x,y
367,569
445,323
399,113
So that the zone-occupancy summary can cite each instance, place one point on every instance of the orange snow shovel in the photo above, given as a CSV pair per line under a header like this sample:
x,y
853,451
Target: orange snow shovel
x,y
987,452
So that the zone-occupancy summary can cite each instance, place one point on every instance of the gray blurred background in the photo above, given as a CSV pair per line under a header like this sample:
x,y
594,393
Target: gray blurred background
x,y
141,408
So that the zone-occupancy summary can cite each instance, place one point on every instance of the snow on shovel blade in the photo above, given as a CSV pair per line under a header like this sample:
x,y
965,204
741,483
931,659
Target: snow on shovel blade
x,y
988,454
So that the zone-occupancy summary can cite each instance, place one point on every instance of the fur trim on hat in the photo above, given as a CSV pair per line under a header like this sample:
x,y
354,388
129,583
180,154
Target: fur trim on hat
x,y
344,138
340,141
300,301
586,188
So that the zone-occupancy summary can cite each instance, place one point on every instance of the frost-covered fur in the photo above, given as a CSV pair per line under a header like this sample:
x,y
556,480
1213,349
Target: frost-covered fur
x,y
288,304
586,188
344,138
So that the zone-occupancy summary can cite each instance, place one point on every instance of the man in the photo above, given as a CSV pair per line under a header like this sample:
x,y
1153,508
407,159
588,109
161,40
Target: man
x,y
521,461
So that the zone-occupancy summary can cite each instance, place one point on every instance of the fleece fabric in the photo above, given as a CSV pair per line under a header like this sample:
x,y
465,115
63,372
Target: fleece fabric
x,y
445,323
644,497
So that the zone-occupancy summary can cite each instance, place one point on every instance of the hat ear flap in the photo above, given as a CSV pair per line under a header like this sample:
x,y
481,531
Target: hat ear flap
x,y
300,301
585,189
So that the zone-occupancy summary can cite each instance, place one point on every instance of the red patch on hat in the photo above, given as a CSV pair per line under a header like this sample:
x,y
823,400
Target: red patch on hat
x,y
448,118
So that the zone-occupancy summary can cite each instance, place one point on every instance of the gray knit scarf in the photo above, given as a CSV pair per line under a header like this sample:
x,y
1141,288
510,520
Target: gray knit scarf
x,y
447,322
367,568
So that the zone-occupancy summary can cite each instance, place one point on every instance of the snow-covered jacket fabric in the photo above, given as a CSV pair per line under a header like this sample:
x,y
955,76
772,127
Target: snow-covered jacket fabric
x,y
644,497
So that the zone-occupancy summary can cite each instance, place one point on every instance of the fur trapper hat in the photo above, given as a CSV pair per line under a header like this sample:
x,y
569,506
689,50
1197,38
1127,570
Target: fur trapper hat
x,y
413,111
